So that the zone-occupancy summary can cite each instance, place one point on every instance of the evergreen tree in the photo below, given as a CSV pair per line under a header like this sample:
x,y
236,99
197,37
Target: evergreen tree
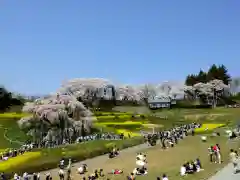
x,y
214,72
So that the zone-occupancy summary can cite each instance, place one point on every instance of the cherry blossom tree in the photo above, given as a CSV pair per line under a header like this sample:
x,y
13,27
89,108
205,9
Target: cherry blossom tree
x,y
209,92
57,118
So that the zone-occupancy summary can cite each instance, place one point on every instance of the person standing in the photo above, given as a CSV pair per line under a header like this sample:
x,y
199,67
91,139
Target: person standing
x,y
233,159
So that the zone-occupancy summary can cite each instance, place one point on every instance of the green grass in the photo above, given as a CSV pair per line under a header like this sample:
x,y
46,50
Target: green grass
x,y
9,130
169,161
77,152
50,157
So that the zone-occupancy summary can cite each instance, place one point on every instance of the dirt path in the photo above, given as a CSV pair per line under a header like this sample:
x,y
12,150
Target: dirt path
x,y
226,173
98,162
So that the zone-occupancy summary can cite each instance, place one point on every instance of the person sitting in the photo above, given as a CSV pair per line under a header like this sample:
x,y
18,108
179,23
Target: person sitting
x,y
198,165
82,169
140,163
135,171
101,173
142,171
171,143
141,157
233,135
164,177
189,168
204,138
92,177
183,170
131,177
116,171
113,153
194,167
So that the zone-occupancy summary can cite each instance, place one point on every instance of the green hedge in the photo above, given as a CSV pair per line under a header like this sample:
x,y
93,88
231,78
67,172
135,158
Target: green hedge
x,y
112,120
112,113
106,117
125,126
77,152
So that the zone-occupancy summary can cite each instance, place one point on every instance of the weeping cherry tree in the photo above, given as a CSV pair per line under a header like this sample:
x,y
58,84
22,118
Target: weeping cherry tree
x,y
55,119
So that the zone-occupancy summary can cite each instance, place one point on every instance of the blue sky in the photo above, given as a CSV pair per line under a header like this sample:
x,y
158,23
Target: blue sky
x,y
43,43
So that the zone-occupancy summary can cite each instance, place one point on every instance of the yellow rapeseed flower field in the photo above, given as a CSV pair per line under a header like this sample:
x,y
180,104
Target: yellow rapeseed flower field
x,y
126,132
19,160
208,127
13,115
121,123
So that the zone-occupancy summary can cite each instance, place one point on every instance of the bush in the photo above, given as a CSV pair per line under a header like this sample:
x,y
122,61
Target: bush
x,y
77,152
125,126
124,116
105,117
129,125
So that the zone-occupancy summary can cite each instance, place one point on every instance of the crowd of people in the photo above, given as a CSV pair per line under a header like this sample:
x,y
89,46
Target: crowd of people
x,y
191,167
9,153
167,138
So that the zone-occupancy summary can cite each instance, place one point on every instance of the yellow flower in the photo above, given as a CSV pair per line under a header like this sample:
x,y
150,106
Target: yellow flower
x,y
13,115
208,127
126,132
19,160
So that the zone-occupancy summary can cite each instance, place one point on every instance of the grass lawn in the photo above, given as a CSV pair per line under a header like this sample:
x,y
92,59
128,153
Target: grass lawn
x,y
160,161
169,161
50,157
9,130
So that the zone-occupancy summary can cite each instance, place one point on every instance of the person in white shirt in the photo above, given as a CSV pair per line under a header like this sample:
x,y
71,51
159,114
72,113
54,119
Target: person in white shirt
x,y
81,170
234,160
38,176
5,158
25,176
183,170
135,171
16,177
164,177
61,164
61,174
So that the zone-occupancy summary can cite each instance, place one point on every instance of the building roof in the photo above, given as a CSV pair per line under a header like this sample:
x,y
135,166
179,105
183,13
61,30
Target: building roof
x,y
161,99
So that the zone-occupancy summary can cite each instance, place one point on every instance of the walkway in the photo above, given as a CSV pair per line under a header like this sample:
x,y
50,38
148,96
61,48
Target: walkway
x,y
97,161
226,173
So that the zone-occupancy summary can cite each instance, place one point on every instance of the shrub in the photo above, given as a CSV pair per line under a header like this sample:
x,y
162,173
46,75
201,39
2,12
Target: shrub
x,y
106,117
133,127
124,116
